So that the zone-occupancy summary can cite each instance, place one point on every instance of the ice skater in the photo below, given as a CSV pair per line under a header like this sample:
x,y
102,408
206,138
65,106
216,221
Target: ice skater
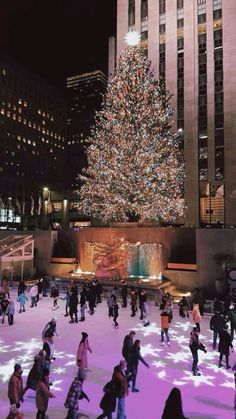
x,y
165,327
22,300
115,312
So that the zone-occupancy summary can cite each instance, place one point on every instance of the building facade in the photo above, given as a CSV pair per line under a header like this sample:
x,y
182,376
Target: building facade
x,y
32,137
84,93
192,47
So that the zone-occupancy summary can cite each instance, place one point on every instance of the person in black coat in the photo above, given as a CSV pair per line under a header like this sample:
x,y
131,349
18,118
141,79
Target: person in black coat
x,y
173,406
73,305
134,359
194,345
21,288
127,345
36,371
98,288
115,312
142,299
92,297
108,402
124,293
82,304
217,323
224,345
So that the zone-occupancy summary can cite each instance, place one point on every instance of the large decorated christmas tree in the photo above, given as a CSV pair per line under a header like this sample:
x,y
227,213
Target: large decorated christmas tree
x,y
135,166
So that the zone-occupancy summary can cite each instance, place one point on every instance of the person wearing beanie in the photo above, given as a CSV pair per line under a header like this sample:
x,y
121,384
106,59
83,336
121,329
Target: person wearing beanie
x,y
43,394
82,351
15,386
50,328
194,345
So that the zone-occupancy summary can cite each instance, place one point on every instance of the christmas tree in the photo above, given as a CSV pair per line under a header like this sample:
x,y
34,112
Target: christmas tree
x,y
135,166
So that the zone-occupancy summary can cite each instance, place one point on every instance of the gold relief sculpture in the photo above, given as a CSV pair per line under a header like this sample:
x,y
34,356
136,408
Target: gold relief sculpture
x,y
111,258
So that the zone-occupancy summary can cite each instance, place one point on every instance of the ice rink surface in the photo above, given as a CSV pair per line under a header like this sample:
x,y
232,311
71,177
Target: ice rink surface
x,y
209,396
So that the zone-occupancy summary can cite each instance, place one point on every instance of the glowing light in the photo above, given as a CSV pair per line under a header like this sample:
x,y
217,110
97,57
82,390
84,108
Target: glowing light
x,y
132,38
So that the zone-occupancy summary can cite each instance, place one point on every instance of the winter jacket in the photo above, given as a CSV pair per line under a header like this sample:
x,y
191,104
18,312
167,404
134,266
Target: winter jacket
x,y
232,316
165,321
217,322
135,357
82,353
15,388
196,314
10,308
43,394
73,395
225,342
35,373
22,299
108,402
34,291
127,345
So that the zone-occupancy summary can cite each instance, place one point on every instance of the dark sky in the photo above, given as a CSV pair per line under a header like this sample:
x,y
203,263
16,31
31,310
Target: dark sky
x,y
56,38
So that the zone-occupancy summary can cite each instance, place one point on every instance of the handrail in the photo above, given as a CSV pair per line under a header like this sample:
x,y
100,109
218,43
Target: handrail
x,y
17,241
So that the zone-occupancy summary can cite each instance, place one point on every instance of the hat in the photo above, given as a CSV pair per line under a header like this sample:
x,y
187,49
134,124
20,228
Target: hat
x,y
17,367
45,372
82,374
84,334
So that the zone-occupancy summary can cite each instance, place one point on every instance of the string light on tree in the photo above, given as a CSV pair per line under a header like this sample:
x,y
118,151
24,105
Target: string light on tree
x,y
135,165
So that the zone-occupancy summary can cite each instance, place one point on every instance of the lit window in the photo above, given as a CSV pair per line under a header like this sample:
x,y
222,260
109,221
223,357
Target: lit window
x,y
24,140
34,143
39,128
52,119
43,122
8,104
48,115
29,123
29,142
43,130
51,133
25,104
8,114
43,140
47,132
59,137
44,114
51,150
2,111
14,116
14,108
4,71
34,125
18,137
20,101
39,111
19,118
24,121
19,110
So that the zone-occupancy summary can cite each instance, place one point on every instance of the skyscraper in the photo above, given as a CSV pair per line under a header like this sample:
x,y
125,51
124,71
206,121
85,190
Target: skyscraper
x,y
32,132
192,47
84,93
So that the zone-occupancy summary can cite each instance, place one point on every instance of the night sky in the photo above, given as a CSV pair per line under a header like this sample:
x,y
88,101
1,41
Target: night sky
x,y
57,38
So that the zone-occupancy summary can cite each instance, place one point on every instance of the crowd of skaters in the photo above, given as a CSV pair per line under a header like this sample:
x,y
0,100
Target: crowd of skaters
x,y
125,373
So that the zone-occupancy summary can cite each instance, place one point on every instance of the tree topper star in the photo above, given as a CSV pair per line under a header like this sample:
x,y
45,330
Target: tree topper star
x,y
132,38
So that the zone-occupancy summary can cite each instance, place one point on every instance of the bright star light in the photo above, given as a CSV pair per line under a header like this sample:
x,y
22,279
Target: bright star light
x,y
132,38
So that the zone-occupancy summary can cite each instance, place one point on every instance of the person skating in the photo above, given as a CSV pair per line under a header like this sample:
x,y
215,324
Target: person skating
x,y
66,298
22,300
232,319
133,301
134,359
194,346
48,347
74,305
4,304
126,348
83,348
74,394
15,386
5,286
92,298
50,329
99,289
121,384
55,297
142,299
124,294
110,305
36,371
33,295
108,401
173,406
43,394
45,285
183,307
217,323
82,304
21,288
196,316
10,311
165,327
224,344
146,314
115,312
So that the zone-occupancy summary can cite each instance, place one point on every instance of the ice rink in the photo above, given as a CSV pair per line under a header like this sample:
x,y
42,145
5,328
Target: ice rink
x,y
209,396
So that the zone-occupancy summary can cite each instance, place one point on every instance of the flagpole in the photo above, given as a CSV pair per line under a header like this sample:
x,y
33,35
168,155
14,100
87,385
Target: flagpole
x,y
210,200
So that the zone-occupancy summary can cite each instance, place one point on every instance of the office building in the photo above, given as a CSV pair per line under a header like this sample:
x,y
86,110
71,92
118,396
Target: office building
x,y
32,137
84,93
192,47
